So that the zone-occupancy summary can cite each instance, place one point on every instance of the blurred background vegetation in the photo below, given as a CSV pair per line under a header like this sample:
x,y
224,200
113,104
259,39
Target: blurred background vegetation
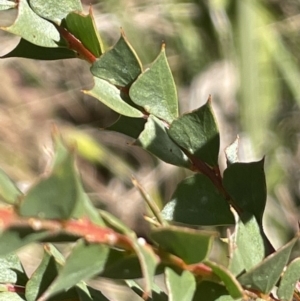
x,y
244,53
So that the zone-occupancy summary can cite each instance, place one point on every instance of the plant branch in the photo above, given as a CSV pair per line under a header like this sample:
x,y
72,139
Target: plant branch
x,y
199,269
81,228
76,45
152,205
13,288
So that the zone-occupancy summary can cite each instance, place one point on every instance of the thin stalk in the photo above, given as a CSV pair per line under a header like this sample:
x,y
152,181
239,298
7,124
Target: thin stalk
x,y
151,203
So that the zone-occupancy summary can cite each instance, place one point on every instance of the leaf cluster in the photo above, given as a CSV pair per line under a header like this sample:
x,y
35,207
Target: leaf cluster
x,y
57,209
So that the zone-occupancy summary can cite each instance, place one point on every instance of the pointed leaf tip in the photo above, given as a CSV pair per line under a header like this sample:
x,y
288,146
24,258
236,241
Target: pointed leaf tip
x,y
155,90
31,27
197,132
113,98
120,65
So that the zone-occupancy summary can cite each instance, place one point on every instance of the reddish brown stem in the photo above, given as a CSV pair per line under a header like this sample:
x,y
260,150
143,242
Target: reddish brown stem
x,y
15,288
76,45
199,269
81,228
96,234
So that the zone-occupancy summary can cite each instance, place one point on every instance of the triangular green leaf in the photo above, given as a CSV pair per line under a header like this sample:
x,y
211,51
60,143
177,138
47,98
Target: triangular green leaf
x,y
84,29
9,192
196,201
55,10
246,245
265,275
197,132
192,246
289,280
232,285
28,50
113,98
33,28
155,90
131,127
181,287
155,139
246,184
84,262
119,66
